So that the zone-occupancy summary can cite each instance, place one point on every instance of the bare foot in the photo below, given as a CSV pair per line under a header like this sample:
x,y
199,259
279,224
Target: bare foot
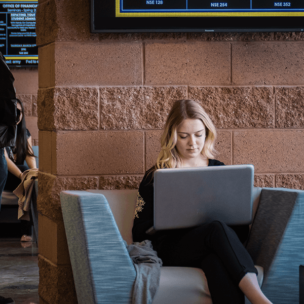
x,y
26,238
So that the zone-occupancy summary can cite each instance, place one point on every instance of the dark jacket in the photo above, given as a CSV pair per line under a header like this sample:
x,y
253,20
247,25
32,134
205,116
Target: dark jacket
x,y
8,106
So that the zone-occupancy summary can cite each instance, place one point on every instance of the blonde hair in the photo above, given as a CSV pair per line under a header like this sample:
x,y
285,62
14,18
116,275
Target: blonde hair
x,y
181,110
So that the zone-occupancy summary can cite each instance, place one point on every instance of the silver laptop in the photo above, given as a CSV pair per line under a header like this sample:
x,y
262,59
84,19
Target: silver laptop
x,y
187,197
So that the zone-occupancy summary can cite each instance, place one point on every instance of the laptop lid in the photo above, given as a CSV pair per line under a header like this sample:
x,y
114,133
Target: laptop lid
x,y
187,197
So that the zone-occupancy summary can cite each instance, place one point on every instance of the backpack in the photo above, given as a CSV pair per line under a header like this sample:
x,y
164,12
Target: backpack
x,y
9,116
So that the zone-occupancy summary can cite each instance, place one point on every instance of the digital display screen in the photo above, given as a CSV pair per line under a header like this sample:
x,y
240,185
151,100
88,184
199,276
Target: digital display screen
x,y
196,8
188,8
18,33
196,16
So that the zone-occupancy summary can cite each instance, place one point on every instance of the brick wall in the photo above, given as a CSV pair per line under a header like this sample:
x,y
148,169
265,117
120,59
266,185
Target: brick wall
x,y
26,85
103,100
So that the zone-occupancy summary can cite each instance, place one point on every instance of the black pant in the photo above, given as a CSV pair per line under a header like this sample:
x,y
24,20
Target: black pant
x,y
12,183
216,249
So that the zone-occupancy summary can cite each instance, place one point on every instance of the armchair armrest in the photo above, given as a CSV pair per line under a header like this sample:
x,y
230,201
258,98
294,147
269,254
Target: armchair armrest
x,y
276,242
102,269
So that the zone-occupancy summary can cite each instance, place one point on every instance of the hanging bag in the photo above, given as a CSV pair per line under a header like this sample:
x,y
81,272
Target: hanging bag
x,y
9,114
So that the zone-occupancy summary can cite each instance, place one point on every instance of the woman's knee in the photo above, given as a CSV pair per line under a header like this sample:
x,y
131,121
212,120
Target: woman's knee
x,y
217,225
218,229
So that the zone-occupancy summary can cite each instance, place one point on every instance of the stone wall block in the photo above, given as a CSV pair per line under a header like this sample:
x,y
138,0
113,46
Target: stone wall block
x,y
206,37
45,151
49,188
34,105
54,153
289,36
222,147
270,151
63,20
46,109
194,63
153,146
46,67
27,103
26,81
290,107
119,182
237,107
268,63
68,109
52,241
166,63
47,22
76,108
32,126
92,64
264,180
137,107
56,283
216,36
100,153
292,181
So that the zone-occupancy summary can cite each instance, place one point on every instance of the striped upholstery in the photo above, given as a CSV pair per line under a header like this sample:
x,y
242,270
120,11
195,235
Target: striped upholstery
x,y
102,269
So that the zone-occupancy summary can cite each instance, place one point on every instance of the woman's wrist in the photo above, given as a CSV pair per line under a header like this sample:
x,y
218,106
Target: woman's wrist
x,y
20,175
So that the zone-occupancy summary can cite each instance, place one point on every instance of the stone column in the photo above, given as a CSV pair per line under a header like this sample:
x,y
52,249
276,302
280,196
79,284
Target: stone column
x,y
80,148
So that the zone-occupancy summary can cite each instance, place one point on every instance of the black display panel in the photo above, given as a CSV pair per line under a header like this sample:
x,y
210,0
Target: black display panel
x,y
196,15
18,33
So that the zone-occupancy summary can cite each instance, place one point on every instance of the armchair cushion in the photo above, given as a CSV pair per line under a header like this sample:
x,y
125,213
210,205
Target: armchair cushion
x,y
122,204
184,285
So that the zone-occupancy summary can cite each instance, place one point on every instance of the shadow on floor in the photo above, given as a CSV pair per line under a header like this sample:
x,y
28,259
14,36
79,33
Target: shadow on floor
x,y
19,274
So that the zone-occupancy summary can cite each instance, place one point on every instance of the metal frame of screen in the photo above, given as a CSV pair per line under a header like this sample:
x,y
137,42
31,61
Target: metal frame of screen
x,y
104,20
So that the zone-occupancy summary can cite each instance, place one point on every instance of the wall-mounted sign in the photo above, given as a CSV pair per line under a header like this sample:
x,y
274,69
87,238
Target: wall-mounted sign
x,y
18,32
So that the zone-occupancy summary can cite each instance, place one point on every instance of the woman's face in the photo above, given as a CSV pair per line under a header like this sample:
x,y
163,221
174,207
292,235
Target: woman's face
x,y
191,136
20,109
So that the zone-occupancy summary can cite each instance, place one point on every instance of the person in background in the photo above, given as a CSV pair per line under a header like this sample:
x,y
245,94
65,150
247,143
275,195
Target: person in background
x,y
15,162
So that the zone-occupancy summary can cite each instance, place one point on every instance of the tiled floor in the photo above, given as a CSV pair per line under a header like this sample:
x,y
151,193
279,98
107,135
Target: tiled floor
x,y
19,275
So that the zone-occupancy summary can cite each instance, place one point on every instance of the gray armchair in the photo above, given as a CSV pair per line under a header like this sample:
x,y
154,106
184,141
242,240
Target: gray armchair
x,y
97,222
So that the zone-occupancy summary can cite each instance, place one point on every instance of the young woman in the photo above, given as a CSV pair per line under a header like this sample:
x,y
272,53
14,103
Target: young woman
x,y
188,141
15,162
